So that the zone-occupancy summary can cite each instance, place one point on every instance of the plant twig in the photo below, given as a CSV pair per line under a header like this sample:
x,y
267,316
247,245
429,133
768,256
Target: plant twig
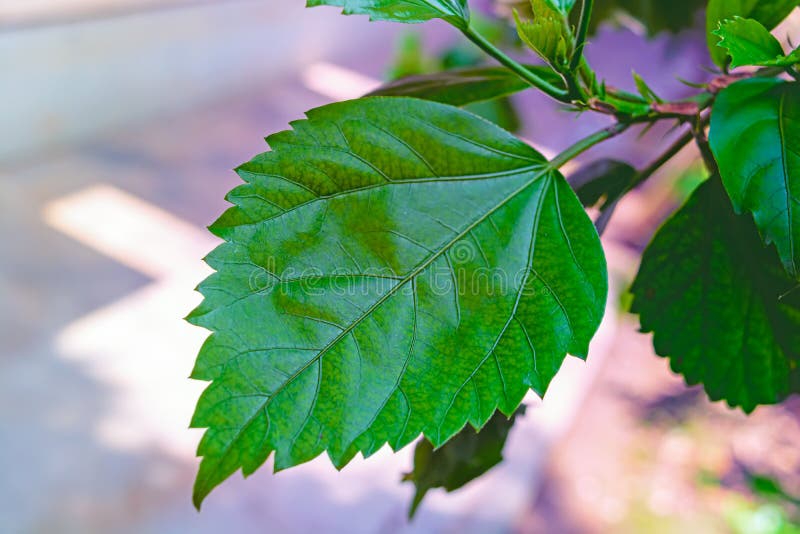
x,y
583,30
586,143
555,92
679,144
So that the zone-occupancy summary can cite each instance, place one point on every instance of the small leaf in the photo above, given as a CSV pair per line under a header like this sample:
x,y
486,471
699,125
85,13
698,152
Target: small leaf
x,y
461,460
644,89
455,12
392,267
755,135
547,33
459,87
748,42
719,304
767,12
604,180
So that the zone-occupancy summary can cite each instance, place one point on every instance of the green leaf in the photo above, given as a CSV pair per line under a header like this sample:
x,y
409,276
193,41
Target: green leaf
x,y
719,304
767,12
547,33
605,180
755,135
459,87
500,111
392,267
748,42
461,460
644,89
455,12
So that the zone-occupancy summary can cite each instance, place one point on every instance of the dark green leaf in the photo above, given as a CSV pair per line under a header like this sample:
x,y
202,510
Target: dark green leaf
x,y
719,304
464,458
748,42
463,86
605,180
655,15
767,12
392,267
755,137
411,11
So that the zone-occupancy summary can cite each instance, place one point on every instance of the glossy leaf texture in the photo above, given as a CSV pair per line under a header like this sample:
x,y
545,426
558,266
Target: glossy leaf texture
x,y
769,13
392,267
461,460
755,137
719,304
455,12
460,87
748,42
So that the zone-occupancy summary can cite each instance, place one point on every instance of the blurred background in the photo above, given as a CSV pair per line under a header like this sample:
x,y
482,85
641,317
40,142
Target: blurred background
x,y
120,122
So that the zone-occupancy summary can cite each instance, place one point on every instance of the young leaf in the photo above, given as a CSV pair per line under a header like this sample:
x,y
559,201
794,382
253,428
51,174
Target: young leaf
x,y
644,89
455,12
392,267
755,135
719,304
564,6
461,460
748,42
767,12
459,87
547,33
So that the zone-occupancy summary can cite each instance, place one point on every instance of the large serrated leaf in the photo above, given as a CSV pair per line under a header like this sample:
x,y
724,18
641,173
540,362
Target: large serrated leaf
x,y
755,135
719,304
767,12
392,267
459,87
455,12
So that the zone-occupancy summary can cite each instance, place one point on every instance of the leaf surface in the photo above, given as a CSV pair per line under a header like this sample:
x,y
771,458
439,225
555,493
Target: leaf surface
x,y
748,42
459,87
461,460
719,304
767,12
755,135
392,267
455,12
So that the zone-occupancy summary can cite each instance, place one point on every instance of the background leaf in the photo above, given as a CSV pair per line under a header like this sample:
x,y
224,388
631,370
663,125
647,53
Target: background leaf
x,y
770,13
455,12
755,135
461,460
604,180
392,267
459,87
719,304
